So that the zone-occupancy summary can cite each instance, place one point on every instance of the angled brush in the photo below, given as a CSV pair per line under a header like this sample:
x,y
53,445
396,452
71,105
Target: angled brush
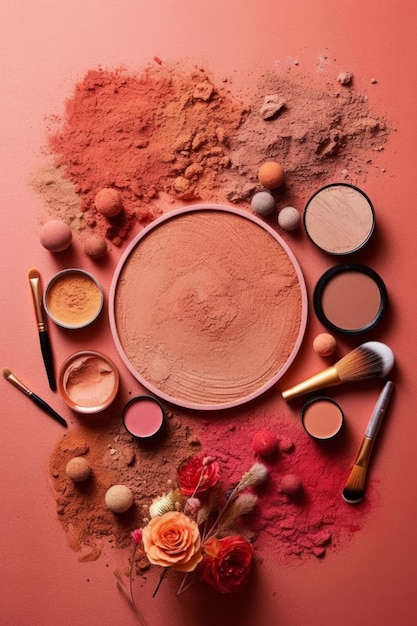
x,y
354,490
372,359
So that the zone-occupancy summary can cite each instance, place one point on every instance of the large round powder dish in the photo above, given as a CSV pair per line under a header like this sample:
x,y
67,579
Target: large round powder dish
x,y
73,298
339,218
322,417
143,416
350,299
88,381
208,307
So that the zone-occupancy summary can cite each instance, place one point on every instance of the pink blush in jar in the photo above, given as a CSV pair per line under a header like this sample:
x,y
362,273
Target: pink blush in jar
x,y
143,416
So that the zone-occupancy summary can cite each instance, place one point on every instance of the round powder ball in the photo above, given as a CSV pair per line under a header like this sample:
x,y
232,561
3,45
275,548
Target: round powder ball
x,y
108,202
289,218
78,469
264,443
95,246
324,344
263,203
118,498
291,485
271,174
55,235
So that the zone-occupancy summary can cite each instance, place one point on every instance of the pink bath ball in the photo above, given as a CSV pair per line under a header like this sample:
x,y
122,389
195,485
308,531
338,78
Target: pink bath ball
x,y
264,443
55,235
108,202
95,246
324,344
291,485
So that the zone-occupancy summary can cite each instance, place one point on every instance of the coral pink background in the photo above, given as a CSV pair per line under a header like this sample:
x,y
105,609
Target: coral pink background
x,y
45,48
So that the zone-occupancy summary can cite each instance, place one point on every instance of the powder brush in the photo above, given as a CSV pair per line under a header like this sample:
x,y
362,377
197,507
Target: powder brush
x,y
36,288
354,490
372,359
32,396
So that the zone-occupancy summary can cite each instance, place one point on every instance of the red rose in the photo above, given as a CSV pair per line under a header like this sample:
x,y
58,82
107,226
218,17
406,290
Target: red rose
x,y
197,475
227,563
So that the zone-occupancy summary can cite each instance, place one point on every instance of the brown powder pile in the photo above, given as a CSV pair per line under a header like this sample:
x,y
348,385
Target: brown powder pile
x,y
174,135
115,457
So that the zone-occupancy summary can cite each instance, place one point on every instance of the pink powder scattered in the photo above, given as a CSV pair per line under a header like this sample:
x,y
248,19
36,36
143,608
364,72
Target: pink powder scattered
x,y
314,520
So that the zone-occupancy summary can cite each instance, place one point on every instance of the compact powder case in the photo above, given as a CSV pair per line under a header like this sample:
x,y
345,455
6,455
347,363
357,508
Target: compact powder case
x,y
339,219
322,418
350,299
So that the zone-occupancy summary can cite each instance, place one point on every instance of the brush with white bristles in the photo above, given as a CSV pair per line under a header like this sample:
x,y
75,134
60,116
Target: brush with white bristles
x,y
354,490
372,359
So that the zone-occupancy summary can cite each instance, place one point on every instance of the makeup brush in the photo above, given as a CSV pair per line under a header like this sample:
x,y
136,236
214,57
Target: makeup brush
x,y
372,359
354,490
36,399
35,284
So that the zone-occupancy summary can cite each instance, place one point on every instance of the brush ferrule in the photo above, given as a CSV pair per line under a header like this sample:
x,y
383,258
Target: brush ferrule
x,y
18,383
326,378
35,285
364,453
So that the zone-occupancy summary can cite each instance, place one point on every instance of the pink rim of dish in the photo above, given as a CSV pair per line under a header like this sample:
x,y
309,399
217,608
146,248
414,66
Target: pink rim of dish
x,y
303,321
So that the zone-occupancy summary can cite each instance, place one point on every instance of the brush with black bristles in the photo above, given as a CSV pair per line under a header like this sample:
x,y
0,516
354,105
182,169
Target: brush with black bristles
x,y
354,490
372,359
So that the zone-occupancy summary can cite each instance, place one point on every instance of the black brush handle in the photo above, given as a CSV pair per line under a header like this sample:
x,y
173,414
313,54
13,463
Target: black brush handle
x,y
48,358
48,409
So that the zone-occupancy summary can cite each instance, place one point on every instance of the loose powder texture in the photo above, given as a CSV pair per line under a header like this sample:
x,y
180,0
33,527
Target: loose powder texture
x,y
283,528
73,299
213,283
89,381
191,136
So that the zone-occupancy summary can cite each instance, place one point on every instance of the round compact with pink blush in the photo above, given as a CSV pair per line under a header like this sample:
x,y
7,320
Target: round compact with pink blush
x,y
143,416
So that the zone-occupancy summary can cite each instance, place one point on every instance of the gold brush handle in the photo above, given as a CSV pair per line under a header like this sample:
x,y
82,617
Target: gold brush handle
x,y
327,378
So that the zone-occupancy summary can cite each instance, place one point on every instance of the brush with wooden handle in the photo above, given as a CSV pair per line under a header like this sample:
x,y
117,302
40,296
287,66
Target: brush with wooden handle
x,y
354,490
372,359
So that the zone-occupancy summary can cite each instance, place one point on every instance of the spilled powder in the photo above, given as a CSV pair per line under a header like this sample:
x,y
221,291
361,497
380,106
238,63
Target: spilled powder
x,y
172,134
283,529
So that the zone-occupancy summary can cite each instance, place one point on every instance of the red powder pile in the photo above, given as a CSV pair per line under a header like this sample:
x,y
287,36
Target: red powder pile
x,y
174,135
285,526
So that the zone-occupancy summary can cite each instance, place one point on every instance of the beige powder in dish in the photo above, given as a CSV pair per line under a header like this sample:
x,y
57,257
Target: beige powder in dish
x,y
209,307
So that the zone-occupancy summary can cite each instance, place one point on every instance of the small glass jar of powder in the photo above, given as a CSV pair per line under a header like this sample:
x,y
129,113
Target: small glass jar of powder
x,y
88,381
73,298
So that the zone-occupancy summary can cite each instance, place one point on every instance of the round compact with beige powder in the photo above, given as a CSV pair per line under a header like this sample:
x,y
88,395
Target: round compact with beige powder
x,y
208,307
339,218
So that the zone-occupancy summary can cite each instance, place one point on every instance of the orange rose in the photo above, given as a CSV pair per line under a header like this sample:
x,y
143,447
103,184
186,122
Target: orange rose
x,y
173,540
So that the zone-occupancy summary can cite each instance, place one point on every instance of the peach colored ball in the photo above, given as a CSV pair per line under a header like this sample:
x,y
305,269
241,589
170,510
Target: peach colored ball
x,y
290,485
118,498
55,235
271,174
264,443
108,202
95,246
324,344
78,469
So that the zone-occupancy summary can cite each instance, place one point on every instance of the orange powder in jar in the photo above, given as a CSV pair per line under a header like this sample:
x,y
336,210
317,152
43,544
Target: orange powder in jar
x,y
73,298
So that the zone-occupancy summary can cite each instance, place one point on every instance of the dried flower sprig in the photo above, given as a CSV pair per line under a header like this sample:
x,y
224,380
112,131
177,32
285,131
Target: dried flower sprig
x,y
191,527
